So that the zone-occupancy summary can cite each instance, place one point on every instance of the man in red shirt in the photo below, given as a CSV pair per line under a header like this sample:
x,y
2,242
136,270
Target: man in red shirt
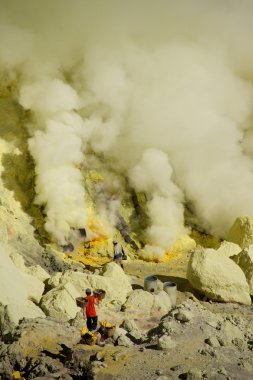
x,y
91,314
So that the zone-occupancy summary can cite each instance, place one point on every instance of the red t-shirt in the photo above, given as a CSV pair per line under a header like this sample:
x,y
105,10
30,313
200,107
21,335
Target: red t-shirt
x,y
90,307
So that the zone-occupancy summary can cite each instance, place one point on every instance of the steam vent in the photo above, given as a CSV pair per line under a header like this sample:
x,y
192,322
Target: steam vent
x,y
126,189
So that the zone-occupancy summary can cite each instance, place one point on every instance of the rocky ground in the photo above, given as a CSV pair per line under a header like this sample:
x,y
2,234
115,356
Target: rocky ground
x,y
197,339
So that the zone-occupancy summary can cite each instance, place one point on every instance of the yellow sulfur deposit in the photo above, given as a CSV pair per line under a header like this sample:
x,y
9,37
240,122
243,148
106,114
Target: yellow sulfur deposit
x,y
106,324
93,176
17,375
182,244
85,330
170,255
90,337
83,256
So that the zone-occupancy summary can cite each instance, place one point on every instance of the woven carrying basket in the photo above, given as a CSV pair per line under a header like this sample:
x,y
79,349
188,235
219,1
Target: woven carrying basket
x,y
110,331
81,302
100,293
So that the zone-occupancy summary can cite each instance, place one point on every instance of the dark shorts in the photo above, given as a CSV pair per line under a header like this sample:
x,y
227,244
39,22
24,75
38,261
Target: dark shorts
x,y
118,256
92,323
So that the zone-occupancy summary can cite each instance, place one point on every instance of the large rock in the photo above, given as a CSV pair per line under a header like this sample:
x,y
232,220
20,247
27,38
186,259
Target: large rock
x,y
245,261
13,286
59,303
218,277
123,340
35,287
11,314
130,326
34,277
229,332
166,343
140,301
113,280
241,232
162,302
19,232
228,249
41,334
34,270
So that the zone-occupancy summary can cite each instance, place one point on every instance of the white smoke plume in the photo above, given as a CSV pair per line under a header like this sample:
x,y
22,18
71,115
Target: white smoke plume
x,y
166,79
59,182
153,176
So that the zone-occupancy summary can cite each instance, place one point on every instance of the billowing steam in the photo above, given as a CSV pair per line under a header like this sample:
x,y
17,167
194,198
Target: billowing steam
x,y
153,176
163,89
59,181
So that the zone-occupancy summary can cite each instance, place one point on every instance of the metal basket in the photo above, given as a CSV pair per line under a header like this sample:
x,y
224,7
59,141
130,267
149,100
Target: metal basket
x,y
81,302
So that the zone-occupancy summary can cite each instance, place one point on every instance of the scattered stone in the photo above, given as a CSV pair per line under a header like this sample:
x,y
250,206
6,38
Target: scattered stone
x,y
207,352
130,326
165,343
240,344
162,302
123,340
228,333
100,356
118,332
175,368
99,364
118,355
212,341
169,326
194,374
222,371
184,316
213,323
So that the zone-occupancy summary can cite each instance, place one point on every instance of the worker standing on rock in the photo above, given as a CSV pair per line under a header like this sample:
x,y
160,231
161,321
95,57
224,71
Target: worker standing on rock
x,y
91,314
118,253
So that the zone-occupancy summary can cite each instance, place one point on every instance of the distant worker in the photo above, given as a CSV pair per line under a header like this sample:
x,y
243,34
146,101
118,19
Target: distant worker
x,y
82,232
91,314
118,253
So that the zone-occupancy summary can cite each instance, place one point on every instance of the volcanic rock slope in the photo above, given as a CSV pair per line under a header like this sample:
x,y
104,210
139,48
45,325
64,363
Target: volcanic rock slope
x,y
40,323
